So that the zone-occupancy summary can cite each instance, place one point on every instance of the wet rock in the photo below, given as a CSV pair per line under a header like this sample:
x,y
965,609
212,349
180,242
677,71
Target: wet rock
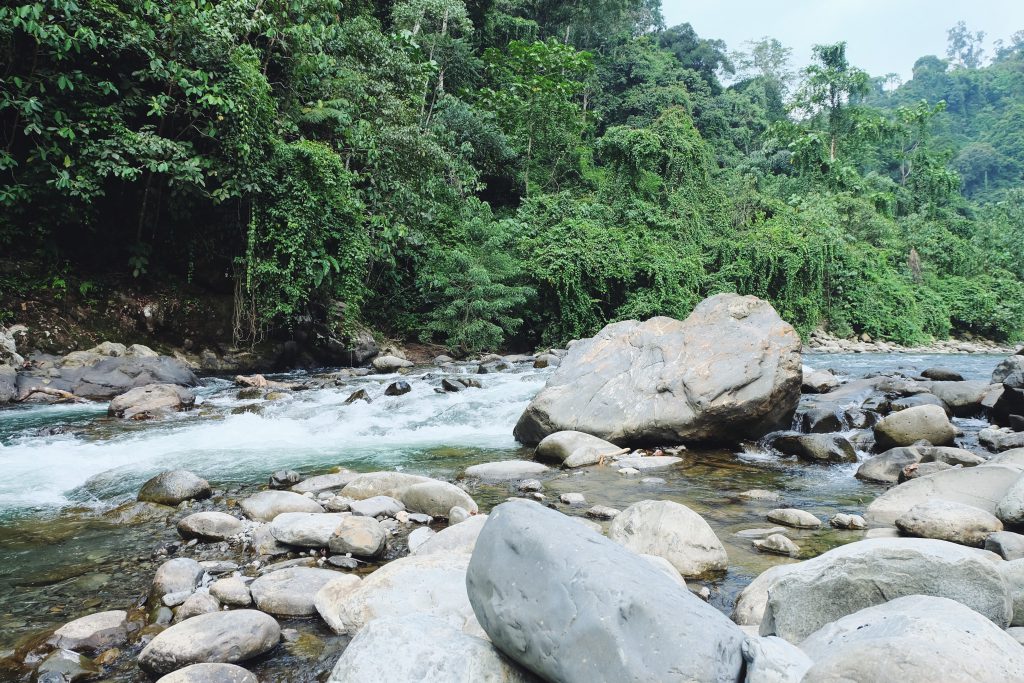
x,y
572,499
792,517
672,531
386,364
648,462
530,485
65,666
844,521
173,487
398,389
391,484
777,544
869,572
736,362
557,447
93,632
306,529
324,482
283,479
773,660
210,673
818,382
210,526
360,536
603,512
820,420
1006,544
289,592
983,487
232,591
180,574
200,602
343,562
913,639
219,637
886,467
436,498
418,584
948,521
358,395
418,647
760,494
460,538
506,470
95,376
907,427
942,375
376,507
816,447
151,401
451,386
266,505
535,566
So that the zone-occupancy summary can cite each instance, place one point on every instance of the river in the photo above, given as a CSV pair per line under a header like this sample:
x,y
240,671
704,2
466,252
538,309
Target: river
x,y
65,468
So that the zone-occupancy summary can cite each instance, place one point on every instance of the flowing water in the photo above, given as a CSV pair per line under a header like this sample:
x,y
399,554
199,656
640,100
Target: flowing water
x,y
67,549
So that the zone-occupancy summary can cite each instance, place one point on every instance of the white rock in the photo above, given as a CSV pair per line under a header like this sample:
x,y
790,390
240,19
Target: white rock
x,y
672,531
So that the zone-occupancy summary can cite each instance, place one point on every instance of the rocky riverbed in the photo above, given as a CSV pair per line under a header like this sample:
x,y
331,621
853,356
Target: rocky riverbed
x,y
353,526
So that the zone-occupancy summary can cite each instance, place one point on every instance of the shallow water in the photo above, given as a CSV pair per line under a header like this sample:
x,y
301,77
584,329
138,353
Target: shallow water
x,y
64,467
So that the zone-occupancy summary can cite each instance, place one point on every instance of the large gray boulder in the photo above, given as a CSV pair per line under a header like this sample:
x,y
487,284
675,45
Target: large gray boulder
x,y
418,647
913,639
174,486
907,427
1008,367
672,531
572,606
218,637
962,398
150,401
1008,410
730,371
858,575
982,487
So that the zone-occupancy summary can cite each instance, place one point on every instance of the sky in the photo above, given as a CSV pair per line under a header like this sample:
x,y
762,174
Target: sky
x,y
883,36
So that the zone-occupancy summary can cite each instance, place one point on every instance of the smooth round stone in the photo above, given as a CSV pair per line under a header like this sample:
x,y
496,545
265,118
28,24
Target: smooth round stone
x,y
672,531
266,505
360,536
306,529
92,632
436,498
573,499
210,526
200,602
210,673
799,519
232,591
844,521
948,521
219,637
173,487
377,506
289,592
457,514
177,575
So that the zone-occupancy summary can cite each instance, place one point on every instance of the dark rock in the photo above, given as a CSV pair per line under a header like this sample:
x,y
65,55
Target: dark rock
x,y
359,395
964,399
65,666
283,479
730,371
397,389
816,447
886,467
171,488
449,385
899,404
942,375
1008,367
1006,544
820,421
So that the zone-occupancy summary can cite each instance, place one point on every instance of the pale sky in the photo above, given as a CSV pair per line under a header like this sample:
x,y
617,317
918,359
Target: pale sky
x,y
883,36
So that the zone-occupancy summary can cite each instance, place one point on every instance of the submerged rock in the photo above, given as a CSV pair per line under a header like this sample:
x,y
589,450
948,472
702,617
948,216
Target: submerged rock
x,y
672,531
173,487
913,639
220,637
730,371
573,606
